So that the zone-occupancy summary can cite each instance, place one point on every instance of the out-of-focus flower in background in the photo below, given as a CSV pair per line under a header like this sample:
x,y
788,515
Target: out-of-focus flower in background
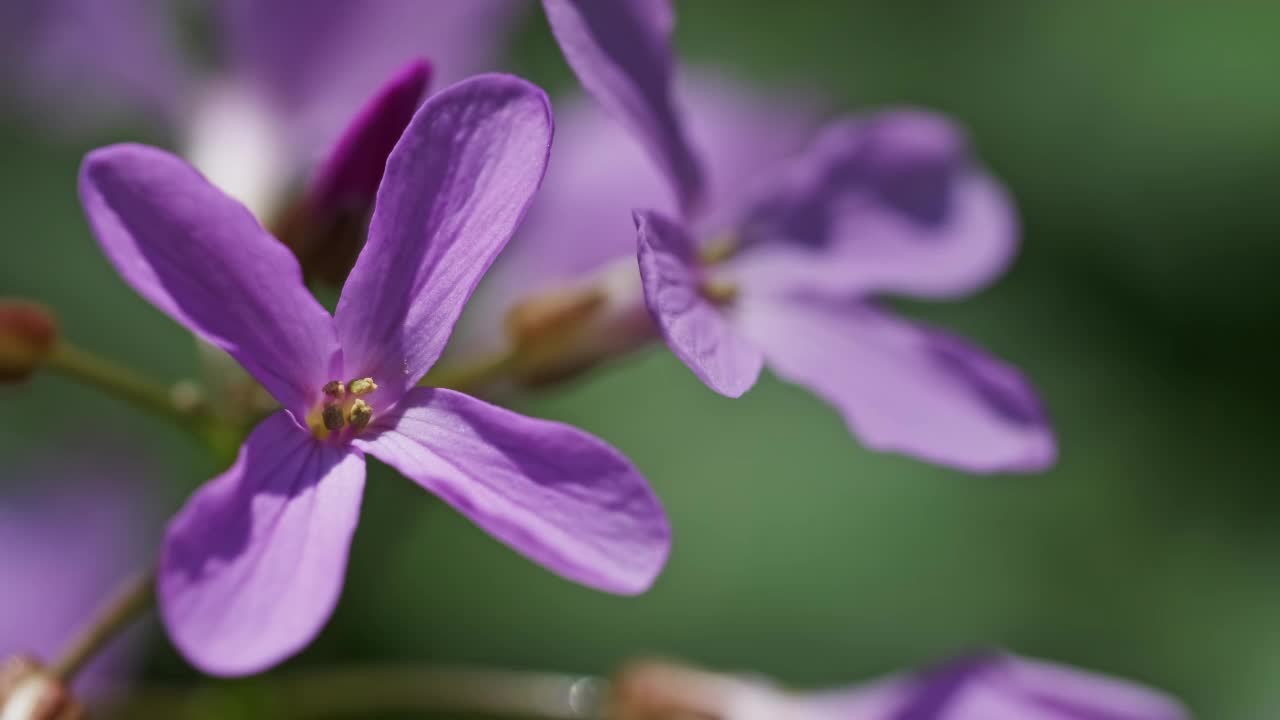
x,y
253,565
984,686
71,530
282,81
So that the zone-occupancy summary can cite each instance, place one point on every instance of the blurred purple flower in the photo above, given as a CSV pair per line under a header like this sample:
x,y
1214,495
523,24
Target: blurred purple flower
x,y
253,565
888,203
989,686
996,686
66,544
292,72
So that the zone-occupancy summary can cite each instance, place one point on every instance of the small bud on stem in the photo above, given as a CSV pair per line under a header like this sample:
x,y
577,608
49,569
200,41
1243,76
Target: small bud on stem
x,y
28,334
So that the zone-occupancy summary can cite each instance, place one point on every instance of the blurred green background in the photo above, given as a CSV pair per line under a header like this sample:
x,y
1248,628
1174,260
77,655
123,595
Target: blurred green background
x,y
1142,142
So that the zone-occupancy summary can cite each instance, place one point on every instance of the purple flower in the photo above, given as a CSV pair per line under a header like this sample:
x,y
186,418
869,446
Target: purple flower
x,y
996,686
252,566
990,686
890,203
65,545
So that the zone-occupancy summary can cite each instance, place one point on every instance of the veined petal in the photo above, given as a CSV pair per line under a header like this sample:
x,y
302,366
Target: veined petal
x,y
455,188
560,497
889,203
621,52
696,330
350,175
202,258
253,564
998,687
317,61
903,387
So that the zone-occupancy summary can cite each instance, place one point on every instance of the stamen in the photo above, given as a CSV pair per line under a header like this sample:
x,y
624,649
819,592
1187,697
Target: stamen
x,y
361,415
362,386
719,292
334,389
332,417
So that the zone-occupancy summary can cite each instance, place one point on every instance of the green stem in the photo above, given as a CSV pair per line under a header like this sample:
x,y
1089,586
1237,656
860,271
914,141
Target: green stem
x,y
473,378
125,384
123,609
366,690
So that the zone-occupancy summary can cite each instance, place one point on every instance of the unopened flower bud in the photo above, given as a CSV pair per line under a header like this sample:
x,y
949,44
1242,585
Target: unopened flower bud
x,y
28,333
30,692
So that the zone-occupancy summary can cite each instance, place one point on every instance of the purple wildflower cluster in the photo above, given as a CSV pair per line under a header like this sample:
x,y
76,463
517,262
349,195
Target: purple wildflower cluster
x,y
743,234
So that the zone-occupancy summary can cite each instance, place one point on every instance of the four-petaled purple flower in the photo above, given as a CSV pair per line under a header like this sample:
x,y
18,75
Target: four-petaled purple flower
x,y
253,565
787,275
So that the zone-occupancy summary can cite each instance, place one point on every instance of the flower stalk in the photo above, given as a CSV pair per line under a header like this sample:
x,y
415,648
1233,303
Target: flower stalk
x,y
364,690
125,384
130,602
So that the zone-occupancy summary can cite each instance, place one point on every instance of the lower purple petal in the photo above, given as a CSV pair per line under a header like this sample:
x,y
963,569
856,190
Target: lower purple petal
x,y
903,387
695,329
557,495
253,564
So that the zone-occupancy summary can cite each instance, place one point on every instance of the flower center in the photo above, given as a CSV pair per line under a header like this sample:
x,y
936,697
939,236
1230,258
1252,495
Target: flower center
x,y
343,407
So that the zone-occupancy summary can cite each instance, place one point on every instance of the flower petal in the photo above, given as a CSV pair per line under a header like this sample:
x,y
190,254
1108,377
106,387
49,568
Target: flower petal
x,y
317,61
903,387
621,52
351,173
994,686
455,188
890,203
555,494
696,330
202,258
253,564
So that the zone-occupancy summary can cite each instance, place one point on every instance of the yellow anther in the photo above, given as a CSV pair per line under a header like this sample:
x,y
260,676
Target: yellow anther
x,y
718,249
361,414
334,389
332,417
363,386
719,292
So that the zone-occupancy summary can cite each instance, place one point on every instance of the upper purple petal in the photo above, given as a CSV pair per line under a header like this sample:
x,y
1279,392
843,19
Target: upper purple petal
x,y
317,61
456,186
903,387
349,177
202,258
621,52
253,564
79,63
998,687
561,497
890,203
695,330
